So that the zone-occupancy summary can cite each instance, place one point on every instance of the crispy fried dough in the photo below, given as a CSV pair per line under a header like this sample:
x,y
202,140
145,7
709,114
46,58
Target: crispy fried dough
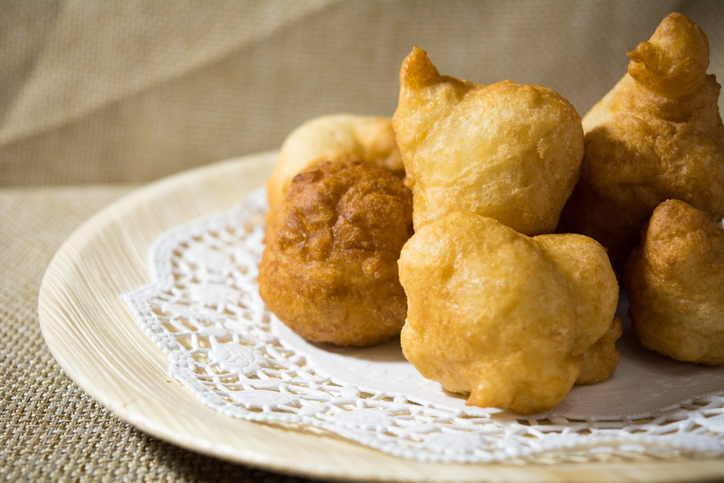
x,y
656,136
513,321
674,279
508,151
329,269
336,137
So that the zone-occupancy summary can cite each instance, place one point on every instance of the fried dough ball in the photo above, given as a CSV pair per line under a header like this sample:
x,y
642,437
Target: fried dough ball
x,y
336,137
674,279
656,136
507,151
514,321
329,269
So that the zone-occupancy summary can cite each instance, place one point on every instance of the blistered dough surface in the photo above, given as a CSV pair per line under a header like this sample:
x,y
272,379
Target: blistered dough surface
x,y
656,136
508,151
329,269
335,137
675,280
504,317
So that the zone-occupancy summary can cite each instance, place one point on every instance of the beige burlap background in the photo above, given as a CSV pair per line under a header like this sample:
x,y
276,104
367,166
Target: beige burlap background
x,y
96,97
131,91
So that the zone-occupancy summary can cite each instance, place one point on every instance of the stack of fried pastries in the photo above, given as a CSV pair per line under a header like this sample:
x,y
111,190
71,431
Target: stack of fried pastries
x,y
513,321
493,304
507,152
658,136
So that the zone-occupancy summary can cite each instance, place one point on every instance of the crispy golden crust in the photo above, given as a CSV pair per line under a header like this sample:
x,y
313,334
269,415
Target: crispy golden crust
x,y
656,136
508,151
674,279
329,269
336,137
507,318
601,359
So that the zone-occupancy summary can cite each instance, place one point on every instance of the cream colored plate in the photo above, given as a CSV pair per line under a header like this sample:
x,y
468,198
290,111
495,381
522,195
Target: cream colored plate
x,y
94,338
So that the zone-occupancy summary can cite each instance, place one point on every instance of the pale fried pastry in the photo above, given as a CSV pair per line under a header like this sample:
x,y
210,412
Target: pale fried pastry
x,y
329,269
513,321
675,281
336,137
508,151
657,135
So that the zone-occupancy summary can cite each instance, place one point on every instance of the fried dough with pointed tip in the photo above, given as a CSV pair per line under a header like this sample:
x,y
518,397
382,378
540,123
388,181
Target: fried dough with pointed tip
x,y
329,268
656,136
336,137
674,279
508,151
514,321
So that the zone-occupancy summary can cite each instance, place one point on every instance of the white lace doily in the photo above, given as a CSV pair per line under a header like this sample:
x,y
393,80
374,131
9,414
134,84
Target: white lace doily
x,y
204,311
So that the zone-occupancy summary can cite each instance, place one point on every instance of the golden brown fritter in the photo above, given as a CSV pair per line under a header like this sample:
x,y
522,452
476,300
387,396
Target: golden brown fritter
x,y
329,269
656,136
675,281
512,320
508,151
336,137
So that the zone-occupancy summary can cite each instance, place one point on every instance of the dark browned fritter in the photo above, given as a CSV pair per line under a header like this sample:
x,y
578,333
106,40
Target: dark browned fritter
x,y
329,270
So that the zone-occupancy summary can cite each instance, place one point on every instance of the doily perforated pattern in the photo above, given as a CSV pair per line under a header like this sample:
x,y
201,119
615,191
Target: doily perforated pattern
x,y
204,311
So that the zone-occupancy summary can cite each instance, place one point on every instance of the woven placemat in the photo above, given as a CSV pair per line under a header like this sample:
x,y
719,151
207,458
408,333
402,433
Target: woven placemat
x,y
50,430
